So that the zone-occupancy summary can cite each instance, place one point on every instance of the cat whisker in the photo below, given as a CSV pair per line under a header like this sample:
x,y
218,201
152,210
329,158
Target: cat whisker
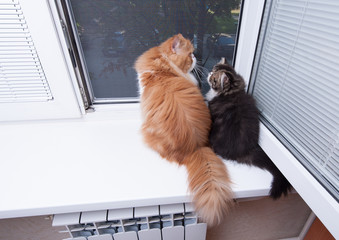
x,y
201,70
201,74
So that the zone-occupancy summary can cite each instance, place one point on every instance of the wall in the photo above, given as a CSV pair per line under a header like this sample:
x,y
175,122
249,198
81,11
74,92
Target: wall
x,y
263,219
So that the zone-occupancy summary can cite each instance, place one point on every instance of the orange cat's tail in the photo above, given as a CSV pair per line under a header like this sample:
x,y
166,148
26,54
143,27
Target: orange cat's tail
x,y
209,184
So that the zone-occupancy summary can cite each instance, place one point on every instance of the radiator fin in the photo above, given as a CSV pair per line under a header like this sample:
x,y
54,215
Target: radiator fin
x,y
164,222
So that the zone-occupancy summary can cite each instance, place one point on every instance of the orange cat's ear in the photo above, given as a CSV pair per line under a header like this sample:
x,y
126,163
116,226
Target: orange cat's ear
x,y
175,44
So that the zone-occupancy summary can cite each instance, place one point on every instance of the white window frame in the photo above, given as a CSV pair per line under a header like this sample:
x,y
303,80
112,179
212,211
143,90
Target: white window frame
x,y
314,194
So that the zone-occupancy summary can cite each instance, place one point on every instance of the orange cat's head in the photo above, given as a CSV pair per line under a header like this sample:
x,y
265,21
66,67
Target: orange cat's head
x,y
179,50
175,54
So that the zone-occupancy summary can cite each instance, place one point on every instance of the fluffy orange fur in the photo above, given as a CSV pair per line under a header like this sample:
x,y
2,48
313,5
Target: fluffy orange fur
x,y
176,124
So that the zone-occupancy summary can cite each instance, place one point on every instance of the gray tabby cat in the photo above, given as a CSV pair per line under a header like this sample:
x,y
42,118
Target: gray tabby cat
x,y
235,124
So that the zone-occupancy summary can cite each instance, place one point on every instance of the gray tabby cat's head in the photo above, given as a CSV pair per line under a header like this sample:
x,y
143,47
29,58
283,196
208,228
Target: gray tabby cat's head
x,y
224,80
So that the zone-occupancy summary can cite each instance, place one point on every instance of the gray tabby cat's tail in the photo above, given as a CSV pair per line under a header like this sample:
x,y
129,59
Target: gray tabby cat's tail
x,y
280,185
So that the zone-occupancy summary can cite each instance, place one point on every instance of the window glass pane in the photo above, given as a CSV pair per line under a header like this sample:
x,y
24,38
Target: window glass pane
x,y
296,85
113,33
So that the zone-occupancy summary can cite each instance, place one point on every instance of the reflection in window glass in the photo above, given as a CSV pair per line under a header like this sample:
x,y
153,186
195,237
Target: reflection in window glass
x,y
113,33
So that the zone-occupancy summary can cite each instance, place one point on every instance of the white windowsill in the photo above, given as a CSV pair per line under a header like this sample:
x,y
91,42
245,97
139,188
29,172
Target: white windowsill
x,y
95,163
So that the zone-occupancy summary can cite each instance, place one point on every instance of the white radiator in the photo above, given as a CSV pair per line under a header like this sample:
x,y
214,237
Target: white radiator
x,y
164,222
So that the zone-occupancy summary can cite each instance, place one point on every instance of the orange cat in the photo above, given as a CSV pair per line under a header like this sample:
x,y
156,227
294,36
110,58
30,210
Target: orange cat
x,y
176,123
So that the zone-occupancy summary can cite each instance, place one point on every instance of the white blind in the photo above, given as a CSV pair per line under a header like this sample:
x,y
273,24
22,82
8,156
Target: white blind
x,y
22,78
296,81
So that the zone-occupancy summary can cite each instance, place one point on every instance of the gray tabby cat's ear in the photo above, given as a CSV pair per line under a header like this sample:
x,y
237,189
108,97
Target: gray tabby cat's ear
x,y
224,80
222,61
